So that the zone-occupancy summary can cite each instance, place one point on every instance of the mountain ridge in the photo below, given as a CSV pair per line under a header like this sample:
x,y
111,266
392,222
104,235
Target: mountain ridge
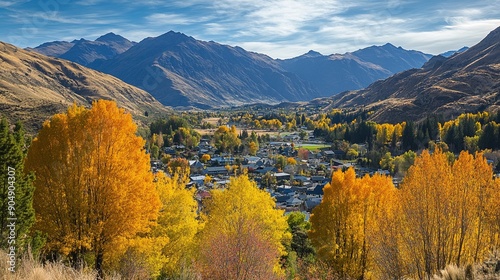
x,y
182,71
85,51
335,73
465,82
34,86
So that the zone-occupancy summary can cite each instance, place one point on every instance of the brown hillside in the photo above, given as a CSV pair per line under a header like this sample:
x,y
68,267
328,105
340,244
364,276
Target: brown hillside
x,y
33,87
465,82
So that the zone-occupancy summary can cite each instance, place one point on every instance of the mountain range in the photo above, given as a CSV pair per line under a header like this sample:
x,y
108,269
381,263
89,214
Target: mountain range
x,y
85,51
467,81
34,86
331,74
179,70
450,53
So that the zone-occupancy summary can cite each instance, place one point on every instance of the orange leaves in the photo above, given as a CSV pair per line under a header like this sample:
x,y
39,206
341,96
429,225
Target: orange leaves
x,y
343,222
93,180
291,161
443,215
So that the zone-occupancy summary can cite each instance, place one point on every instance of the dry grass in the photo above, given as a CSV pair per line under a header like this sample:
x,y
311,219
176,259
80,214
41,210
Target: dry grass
x,y
34,87
488,270
238,130
212,121
451,272
30,269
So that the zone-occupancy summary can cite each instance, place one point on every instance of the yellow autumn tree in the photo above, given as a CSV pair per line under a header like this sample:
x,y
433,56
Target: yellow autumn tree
x,y
226,139
443,217
384,237
291,161
493,212
344,222
93,181
253,147
179,167
168,248
384,133
205,158
243,235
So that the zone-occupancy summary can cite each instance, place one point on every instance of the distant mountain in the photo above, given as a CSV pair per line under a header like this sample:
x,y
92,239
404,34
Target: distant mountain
x,y
450,53
341,72
394,59
55,49
465,82
179,70
84,51
34,86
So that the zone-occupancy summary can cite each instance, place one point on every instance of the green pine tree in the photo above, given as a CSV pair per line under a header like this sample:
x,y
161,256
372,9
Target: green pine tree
x,y
16,189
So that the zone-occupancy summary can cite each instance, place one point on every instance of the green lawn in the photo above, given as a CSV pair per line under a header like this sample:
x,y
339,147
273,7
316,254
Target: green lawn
x,y
312,147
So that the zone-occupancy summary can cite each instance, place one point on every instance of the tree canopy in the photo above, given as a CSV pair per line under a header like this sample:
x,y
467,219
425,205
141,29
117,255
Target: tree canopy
x,y
94,183
243,234
16,189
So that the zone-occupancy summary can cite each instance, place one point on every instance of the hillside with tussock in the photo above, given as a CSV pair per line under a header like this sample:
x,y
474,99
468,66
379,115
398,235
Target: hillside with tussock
x,y
465,82
34,86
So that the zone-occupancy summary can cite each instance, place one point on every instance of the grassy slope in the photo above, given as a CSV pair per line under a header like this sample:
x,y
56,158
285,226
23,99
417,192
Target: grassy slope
x,y
33,87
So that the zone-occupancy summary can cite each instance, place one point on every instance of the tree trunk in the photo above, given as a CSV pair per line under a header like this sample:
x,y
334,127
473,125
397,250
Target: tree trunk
x,y
98,264
76,259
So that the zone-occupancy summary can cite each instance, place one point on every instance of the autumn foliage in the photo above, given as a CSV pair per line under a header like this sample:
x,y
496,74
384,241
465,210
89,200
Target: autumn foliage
x,y
93,181
98,203
344,221
243,234
443,213
169,247
226,139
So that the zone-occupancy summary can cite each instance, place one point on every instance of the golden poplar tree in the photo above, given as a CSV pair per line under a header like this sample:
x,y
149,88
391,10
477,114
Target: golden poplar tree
x,y
93,181
493,212
168,249
178,221
443,215
243,233
344,221
226,139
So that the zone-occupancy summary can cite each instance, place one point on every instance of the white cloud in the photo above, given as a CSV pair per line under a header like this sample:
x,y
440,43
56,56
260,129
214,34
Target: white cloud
x,y
4,4
274,19
461,32
279,28
213,28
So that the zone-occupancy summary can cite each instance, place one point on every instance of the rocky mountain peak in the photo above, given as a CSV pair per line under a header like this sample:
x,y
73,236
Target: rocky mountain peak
x,y
111,37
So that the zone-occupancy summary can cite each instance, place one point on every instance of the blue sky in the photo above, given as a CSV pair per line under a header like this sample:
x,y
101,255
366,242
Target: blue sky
x,y
278,28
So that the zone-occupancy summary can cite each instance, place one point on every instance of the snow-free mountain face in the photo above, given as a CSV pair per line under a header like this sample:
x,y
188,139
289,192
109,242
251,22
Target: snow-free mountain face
x,y
34,86
182,71
450,53
395,59
55,49
84,51
332,74
465,82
